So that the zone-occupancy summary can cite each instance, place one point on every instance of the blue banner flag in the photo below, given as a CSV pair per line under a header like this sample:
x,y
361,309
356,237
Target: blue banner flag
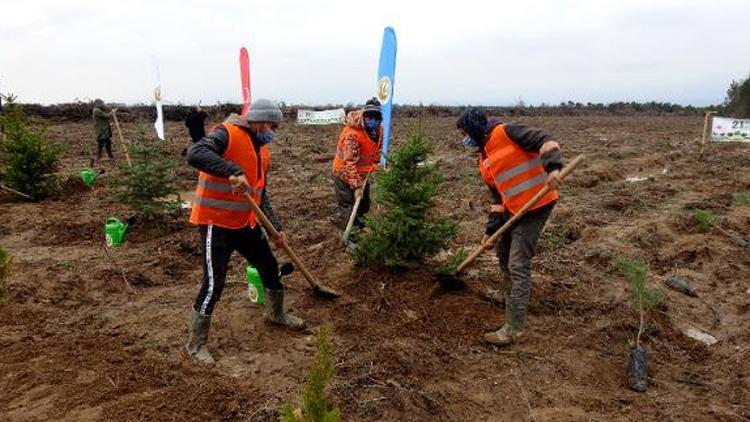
x,y
386,71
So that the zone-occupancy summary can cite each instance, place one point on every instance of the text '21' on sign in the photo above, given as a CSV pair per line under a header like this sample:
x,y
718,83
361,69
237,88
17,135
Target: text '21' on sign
x,y
724,129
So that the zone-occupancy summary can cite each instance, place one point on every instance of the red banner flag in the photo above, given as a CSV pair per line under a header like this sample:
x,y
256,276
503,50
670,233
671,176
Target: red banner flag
x,y
245,76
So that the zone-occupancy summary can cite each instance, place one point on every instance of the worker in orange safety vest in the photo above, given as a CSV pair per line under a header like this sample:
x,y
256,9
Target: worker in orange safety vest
x,y
233,160
516,162
357,156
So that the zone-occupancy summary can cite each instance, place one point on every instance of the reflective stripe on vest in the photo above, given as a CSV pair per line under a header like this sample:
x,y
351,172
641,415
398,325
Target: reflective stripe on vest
x,y
222,205
515,171
522,187
221,187
517,174
216,202
226,187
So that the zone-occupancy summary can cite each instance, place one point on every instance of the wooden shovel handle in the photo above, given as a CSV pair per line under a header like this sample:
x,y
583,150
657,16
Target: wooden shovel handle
x,y
122,140
353,216
275,234
479,250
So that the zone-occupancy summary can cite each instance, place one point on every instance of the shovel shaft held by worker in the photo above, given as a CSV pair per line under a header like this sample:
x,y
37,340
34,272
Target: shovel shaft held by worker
x,y
479,250
326,291
122,140
355,208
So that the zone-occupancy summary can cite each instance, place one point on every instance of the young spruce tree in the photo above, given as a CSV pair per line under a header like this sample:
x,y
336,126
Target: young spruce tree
x,y
316,406
406,231
149,186
29,160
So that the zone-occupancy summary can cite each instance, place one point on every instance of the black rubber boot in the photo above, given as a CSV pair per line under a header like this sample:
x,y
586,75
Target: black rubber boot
x,y
275,311
196,345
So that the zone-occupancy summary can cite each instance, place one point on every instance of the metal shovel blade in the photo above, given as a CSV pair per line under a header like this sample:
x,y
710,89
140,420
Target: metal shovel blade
x,y
446,283
324,291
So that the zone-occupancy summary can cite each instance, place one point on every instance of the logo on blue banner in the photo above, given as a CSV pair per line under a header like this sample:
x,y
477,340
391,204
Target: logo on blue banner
x,y
386,72
384,90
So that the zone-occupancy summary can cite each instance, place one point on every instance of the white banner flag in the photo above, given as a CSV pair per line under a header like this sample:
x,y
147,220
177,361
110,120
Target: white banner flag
x,y
159,123
325,117
726,129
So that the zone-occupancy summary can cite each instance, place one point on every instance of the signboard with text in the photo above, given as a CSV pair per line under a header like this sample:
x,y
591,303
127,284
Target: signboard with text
x,y
725,129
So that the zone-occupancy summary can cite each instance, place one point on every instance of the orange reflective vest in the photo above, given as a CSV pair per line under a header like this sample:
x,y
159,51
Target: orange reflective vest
x,y
369,151
518,174
215,203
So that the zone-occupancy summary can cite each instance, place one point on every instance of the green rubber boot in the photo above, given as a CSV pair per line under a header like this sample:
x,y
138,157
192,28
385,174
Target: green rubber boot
x,y
512,331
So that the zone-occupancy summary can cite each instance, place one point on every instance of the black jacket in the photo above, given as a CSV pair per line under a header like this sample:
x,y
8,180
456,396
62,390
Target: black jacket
x,y
195,122
530,139
207,156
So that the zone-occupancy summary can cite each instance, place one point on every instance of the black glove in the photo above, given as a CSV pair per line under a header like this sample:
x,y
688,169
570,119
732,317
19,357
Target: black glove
x,y
494,221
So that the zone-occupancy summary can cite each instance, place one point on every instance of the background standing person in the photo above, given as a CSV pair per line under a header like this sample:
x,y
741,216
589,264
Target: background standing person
x,y
195,123
102,129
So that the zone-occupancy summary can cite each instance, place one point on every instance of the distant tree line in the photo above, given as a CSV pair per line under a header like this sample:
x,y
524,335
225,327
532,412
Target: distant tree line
x,y
570,108
82,110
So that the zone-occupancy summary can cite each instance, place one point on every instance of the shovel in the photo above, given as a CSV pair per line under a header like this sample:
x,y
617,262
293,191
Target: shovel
x,y
318,289
122,140
353,216
452,281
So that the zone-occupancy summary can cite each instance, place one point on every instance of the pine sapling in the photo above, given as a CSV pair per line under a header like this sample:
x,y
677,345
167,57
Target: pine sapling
x,y
316,406
149,186
29,160
407,230
705,219
643,300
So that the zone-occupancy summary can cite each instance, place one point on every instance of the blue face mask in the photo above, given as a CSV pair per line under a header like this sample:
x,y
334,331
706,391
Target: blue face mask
x,y
264,138
471,143
371,125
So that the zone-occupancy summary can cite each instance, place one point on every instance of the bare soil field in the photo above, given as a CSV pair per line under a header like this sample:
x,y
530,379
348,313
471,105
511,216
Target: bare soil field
x,y
76,344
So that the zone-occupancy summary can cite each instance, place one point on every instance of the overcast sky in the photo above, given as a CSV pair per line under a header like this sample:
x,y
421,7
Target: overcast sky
x,y
318,52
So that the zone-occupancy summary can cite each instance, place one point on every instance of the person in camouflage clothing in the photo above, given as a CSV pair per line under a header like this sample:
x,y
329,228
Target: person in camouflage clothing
x,y
102,129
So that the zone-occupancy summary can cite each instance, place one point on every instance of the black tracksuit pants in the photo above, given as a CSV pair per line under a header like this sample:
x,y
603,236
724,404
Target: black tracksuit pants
x,y
218,245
